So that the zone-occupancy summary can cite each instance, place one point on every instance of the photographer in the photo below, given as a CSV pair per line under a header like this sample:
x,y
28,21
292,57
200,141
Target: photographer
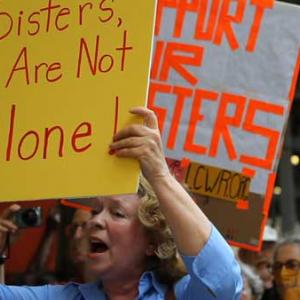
x,y
35,270
6,226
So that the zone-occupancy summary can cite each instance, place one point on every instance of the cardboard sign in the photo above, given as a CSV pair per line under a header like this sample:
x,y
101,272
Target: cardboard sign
x,y
242,225
69,73
217,183
223,79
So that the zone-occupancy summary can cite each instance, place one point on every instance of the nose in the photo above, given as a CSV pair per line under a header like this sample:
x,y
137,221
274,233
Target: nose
x,y
98,220
78,232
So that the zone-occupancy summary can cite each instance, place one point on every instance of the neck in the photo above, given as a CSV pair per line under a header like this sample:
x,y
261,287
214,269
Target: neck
x,y
119,289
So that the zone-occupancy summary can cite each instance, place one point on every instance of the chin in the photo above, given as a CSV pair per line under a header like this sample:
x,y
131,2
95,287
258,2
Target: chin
x,y
97,269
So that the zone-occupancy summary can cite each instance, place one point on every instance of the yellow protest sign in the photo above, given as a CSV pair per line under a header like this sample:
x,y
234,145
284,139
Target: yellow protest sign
x,y
69,73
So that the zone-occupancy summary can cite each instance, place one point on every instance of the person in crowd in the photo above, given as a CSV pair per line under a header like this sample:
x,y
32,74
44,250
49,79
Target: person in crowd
x,y
286,269
253,285
79,244
36,272
76,234
261,261
135,240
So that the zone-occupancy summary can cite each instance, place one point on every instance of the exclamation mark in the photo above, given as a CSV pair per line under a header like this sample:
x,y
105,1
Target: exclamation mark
x,y
112,152
116,115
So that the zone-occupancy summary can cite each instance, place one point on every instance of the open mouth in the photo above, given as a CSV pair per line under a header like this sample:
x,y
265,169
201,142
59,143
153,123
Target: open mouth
x,y
98,246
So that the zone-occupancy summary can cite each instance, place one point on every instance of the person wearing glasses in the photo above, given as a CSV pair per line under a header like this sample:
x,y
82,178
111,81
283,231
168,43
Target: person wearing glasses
x,y
286,269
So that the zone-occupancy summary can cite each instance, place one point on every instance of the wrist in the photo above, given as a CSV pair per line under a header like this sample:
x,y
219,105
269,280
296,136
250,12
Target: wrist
x,y
162,181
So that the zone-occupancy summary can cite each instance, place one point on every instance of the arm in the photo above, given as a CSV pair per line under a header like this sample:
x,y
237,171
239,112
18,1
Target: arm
x,y
182,214
213,271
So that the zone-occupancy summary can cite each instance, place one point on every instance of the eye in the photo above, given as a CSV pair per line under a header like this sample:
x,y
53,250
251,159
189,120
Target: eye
x,y
96,211
293,264
118,214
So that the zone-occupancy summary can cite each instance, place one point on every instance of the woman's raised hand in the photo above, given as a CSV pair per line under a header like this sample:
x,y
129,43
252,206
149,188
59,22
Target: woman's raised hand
x,y
143,142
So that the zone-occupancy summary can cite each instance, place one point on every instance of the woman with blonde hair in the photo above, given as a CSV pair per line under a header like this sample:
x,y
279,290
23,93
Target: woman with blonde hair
x,y
135,240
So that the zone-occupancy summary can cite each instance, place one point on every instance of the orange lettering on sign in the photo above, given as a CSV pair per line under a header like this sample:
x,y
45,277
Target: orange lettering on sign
x,y
192,56
242,205
160,112
162,4
225,23
240,117
261,5
207,34
158,54
249,172
183,7
196,117
223,121
272,135
182,95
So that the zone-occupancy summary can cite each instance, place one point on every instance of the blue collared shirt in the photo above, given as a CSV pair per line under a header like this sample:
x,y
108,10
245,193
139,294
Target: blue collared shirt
x,y
213,275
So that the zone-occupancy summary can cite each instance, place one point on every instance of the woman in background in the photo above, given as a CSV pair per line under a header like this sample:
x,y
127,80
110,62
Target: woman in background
x,y
286,269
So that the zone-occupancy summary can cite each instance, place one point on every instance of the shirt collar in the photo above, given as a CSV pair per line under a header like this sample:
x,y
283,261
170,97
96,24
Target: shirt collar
x,y
91,291
147,281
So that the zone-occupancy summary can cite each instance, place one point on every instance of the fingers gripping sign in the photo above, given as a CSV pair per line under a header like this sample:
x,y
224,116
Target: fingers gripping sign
x,y
150,119
142,142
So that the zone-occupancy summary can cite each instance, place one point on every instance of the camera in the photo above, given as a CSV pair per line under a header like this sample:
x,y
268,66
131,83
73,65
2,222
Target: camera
x,y
28,217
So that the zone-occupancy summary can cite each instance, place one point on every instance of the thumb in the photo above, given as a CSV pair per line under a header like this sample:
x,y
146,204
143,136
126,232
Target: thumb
x,y
150,119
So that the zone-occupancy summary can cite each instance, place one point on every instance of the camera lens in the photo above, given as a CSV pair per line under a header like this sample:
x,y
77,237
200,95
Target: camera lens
x,y
30,217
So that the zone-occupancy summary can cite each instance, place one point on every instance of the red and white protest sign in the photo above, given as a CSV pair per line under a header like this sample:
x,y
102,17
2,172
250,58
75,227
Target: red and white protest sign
x,y
223,79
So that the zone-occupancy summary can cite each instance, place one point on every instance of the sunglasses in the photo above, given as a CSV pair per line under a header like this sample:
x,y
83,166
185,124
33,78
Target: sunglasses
x,y
291,264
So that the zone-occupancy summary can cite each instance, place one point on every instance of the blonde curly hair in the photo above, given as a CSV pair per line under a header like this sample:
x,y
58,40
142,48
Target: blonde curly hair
x,y
166,263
